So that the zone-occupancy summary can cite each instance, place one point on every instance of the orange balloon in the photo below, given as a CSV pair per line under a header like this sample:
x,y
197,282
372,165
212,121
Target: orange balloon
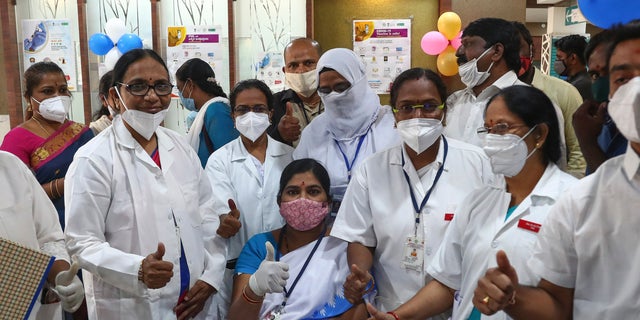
x,y
449,24
447,62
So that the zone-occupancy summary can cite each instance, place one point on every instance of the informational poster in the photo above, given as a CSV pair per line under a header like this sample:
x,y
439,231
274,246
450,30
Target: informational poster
x,y
187,42
269,69
50,40
385,48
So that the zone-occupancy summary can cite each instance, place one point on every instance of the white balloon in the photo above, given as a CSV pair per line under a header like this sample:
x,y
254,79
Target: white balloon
x,y
115,28
111,58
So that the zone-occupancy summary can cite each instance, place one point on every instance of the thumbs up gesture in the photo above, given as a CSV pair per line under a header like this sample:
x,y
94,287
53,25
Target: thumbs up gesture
x,y
69,288
154,272
355,286
271,276
229,223
289,125
497,289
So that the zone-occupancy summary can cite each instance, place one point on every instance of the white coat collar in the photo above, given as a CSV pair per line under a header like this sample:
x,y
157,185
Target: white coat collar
x,y
274,149
631,163
543,188
125,139
396,159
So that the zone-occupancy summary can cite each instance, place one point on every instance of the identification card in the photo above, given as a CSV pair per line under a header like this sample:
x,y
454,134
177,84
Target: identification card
x,y
413,256
275,314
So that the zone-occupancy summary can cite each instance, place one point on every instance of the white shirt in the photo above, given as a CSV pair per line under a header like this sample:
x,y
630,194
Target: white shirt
x,y
479,230
465,113
590,241
28,217
317,143
377,211
120,204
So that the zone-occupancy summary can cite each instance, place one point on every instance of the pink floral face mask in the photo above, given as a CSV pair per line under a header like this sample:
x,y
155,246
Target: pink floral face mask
x,y
304,214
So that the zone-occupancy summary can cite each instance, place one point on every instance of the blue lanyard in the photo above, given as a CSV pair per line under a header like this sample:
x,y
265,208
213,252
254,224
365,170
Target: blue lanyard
x,y
344,156
426,197
287,293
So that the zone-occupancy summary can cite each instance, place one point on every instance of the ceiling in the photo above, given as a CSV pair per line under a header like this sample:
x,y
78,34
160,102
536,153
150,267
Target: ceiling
x,y
537,9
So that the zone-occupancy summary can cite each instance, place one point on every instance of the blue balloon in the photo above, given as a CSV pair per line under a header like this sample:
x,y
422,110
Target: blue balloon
x,y
129,41
100,44
606,13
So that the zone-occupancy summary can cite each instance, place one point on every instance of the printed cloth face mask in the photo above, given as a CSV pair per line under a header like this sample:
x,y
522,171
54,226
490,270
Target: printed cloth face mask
x,y
303,214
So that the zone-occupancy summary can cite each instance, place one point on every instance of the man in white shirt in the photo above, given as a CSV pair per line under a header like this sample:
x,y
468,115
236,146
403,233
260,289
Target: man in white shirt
x,y
586,253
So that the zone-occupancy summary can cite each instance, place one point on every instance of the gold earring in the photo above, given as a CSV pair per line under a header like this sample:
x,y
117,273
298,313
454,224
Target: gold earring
x,y
29,108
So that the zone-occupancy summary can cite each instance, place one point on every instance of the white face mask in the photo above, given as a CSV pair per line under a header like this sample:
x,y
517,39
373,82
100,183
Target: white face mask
x,y
469,74
304,84
54,109
143,123
507,152
252,125
624,109
420,133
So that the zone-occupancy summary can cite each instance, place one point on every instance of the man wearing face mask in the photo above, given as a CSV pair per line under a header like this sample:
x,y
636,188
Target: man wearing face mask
x,y
586,253
563,94
489,60
597,134
570,62
296,107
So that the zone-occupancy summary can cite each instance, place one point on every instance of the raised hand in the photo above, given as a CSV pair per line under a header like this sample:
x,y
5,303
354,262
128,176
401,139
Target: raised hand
x,y
271,276
497,289
289,125
156,273
355,286
230,223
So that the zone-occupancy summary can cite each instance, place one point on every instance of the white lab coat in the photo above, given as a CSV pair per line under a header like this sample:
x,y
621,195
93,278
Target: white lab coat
x,y
119,206
377,211
479,230
233,175
28,217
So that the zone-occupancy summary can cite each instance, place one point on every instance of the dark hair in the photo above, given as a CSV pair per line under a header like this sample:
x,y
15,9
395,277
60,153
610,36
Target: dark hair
x,y
603,38
200,73
309,41
573,44
622,33
494,30
33,75
416,74
129,58
524,32
251,84
534,107
103,91
302,166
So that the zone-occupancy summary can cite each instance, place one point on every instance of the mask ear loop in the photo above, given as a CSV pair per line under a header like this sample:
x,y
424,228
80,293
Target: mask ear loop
x,y
536,145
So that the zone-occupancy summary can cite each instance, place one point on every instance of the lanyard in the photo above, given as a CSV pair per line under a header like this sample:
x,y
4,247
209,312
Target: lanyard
x,y
287,293
344,156
426,197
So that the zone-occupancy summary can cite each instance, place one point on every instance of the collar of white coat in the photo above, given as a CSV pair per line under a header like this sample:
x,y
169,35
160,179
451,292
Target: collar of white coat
x,y
548,187
125,139
508,79
396,159
274,149
631,163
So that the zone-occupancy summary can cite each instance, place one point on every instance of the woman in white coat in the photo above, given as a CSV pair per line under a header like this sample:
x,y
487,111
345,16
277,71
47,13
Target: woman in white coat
x,y
401,200
353,126
139,207
244,175
522,139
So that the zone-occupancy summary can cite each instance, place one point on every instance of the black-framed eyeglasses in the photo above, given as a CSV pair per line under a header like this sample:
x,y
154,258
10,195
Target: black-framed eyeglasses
x,y
141,89
428,108
499,128
339,88
258,108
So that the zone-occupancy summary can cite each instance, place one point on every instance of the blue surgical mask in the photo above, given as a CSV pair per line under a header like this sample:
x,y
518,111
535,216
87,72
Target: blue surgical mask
x,y
187,102
600,89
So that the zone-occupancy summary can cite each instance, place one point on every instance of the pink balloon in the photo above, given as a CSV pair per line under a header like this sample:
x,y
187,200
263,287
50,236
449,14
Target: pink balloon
x,y
456,42
433,43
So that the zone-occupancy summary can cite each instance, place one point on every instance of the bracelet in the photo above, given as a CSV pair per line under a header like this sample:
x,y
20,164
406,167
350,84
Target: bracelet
x,y
247,298
370,288
55,188
395,315
140,273
51,189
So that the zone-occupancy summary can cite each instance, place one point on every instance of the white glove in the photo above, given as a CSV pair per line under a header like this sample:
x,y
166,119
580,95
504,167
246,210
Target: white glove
x,y
271,276
69,288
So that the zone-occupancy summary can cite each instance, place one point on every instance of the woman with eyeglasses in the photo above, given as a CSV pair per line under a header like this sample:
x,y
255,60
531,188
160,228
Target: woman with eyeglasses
x,y
212,127
140,216
522,139
401,201
354,124
244,175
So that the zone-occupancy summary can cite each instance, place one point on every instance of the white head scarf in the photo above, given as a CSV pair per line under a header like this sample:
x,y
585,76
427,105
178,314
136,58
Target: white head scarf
x,y
349,114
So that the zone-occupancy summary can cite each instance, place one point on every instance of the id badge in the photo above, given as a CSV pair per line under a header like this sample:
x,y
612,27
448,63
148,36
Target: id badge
x,y
275,314
413,257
